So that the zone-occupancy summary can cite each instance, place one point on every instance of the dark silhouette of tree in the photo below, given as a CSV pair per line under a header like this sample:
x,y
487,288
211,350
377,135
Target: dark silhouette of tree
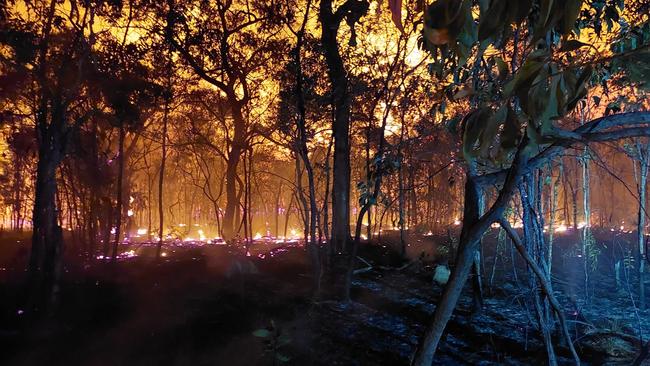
x,y
229,45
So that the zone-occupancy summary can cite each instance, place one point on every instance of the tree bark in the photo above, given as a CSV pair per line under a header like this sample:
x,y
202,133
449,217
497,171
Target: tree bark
x,y
586,231
161,176
545,284
120,178
469,241
330,22
311,241
644,160
47,238
230,222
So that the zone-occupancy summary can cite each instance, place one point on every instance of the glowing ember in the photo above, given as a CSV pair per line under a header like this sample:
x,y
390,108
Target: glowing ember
x,y
560,229
129,254
218,241
457,222
125,255
142,231
129,213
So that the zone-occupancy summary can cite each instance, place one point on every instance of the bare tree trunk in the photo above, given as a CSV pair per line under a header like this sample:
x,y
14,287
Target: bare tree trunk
x,y
330,23
120,178
47,238
552,214
472,231
533,241
311,240
477,273
644,160
401,198
544,283
586,231
326,198
277,209
163,157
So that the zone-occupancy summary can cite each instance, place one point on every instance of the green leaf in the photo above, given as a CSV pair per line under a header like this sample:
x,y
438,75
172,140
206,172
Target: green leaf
x,y
523,77
571,11
596,100
511,130
262,333
490,130
580,88
572,45
502,66
519,9
282,358
473,126
545,11
283,340
550,110
492,20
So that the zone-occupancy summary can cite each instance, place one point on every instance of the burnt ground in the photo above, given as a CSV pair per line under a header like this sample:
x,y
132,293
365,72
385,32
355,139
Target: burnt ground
x,y
201,305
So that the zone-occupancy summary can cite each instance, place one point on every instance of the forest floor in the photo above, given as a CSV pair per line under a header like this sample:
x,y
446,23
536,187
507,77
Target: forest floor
x,y
201,305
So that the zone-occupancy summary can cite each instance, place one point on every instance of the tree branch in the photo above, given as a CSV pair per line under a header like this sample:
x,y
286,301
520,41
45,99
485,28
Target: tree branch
x,y
592,131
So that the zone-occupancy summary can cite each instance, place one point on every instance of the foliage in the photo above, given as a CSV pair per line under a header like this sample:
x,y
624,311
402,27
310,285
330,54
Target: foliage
x,y
381,166
549,71
593,250
274,339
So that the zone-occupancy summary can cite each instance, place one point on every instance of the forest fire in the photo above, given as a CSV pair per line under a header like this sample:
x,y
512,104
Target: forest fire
x,y
304,179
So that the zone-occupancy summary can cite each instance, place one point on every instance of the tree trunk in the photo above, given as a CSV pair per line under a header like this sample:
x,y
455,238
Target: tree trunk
x,y
161,177
644,160
311,240
230,222
469,242
330,23
533,241
477,273
586,234
120,178
47,238
552,215
401,198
